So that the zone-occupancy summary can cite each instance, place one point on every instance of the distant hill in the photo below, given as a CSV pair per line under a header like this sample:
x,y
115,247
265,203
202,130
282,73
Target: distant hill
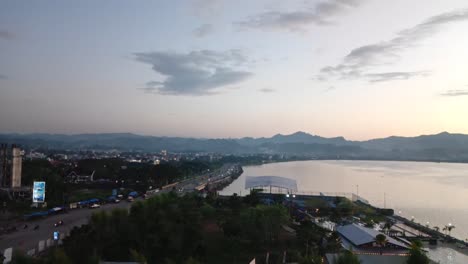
x,y
439,147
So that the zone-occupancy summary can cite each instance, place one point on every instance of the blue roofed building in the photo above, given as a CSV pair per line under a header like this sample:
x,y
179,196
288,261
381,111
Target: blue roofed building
x,y
362,242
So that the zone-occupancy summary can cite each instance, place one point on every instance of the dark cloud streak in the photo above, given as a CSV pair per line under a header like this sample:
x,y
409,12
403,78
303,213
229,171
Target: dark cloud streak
x,y
454,93
323,13
267,90
203,30
195,73
7,35
392,76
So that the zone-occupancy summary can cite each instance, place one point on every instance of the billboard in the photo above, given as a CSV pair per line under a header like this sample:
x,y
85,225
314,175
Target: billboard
x,y
56,235
39,192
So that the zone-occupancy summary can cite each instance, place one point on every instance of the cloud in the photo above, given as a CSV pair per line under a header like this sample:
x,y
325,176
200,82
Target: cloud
x,y
200,72
329,89
455,93
203,30
3,77
360,60
266,90
206,8
6,34
392,76
322,13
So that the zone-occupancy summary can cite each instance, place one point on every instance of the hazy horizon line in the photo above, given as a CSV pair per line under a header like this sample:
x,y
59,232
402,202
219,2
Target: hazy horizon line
x,y
193,137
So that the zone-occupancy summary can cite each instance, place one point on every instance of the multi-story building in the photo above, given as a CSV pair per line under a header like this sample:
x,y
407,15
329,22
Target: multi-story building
x,y
10,166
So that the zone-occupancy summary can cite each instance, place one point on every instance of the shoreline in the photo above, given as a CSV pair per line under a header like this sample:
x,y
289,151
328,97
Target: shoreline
x,y
455,238
327,159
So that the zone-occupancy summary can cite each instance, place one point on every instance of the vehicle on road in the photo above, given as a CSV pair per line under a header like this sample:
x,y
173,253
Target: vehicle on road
x,y
59,223
93,206
36,227
113,199
133,194
130,199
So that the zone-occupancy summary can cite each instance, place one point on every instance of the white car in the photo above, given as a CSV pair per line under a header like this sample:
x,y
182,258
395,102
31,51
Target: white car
x,y
95,206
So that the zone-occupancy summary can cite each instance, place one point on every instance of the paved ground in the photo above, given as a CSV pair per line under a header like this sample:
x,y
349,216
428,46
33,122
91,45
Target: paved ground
x,y
27,239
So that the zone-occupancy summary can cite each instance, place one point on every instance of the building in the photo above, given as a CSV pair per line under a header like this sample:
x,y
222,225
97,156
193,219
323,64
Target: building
x,y
282,184
10,166
4,172
74,177
362,242
16,167
11,162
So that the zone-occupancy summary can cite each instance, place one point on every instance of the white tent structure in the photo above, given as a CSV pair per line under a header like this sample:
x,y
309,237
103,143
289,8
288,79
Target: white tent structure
x,y
287,184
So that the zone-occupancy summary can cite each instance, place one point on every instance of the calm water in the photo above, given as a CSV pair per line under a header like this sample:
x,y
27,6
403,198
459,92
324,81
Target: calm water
x,y
431,192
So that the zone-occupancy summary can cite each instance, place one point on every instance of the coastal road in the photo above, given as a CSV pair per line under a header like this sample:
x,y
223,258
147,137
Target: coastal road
x,y
27,239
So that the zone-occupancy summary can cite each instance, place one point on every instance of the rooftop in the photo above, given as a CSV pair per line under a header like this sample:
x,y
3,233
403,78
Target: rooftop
x,y
359,235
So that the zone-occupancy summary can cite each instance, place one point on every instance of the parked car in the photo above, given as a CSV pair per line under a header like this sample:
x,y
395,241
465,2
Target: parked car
x,y
93,206
113,199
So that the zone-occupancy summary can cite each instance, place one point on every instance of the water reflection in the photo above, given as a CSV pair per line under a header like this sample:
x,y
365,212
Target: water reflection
x,y
446,255
431,192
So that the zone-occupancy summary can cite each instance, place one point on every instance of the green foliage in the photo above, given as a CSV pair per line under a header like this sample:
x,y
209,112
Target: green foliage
x,y
347,257
57,255
103,168
192,261
316,203
381,239
207,211
42,170
262,224
417,256
189,229
314,259
85,194
137,257
21,258
163,227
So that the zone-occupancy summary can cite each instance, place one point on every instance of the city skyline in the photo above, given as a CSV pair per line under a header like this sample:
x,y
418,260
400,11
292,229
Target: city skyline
x,y
219,69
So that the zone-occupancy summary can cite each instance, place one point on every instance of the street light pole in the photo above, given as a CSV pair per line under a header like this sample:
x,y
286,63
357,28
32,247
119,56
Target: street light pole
x,y
357,191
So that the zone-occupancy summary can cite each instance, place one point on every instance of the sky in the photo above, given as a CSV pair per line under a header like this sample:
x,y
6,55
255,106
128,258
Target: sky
x,y
222,69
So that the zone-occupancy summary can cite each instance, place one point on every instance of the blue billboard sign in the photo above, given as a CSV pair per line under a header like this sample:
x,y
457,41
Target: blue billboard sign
x,y
56,235
39,192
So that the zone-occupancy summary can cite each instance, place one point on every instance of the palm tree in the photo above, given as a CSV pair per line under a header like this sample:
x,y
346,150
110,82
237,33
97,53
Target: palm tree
x,y
387,226
436,228
445,229
449,228
381,240
417,256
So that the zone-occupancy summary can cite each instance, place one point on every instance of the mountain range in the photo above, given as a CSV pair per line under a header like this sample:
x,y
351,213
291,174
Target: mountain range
x,y
440,147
